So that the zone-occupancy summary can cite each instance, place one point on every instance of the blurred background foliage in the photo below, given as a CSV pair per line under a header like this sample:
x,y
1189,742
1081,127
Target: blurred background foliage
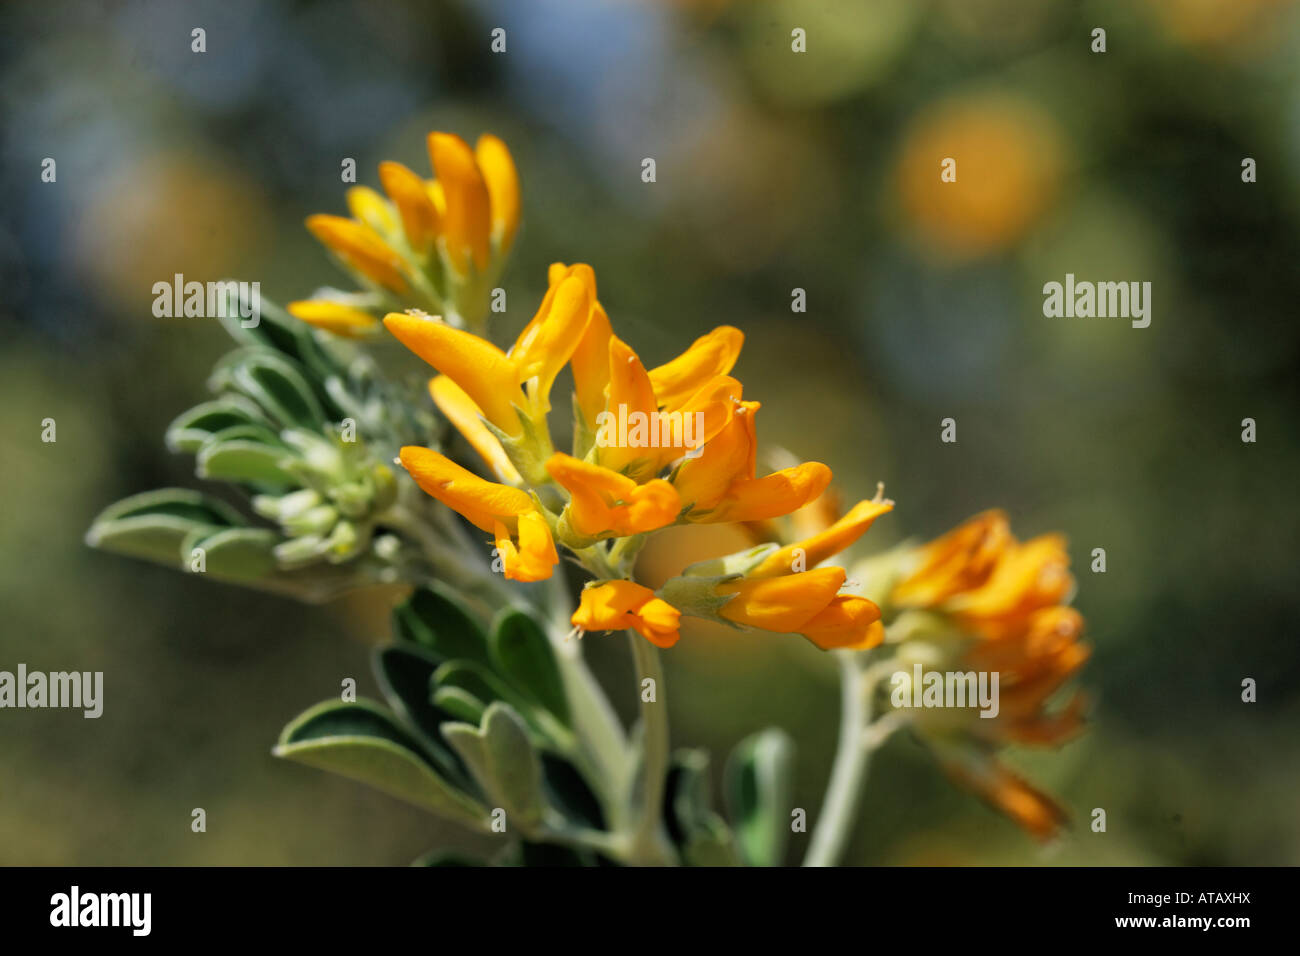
x,y
775,171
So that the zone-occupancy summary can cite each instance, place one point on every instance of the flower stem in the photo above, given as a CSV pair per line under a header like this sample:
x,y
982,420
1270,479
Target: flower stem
x,y
649,844
835,822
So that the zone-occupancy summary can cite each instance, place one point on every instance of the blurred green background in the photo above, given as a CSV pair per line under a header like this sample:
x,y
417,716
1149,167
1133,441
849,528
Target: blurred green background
x,y
776,171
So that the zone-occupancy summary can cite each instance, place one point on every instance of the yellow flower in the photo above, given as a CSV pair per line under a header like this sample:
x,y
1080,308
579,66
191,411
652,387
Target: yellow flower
x,y
984,579
334,316
960,560
824,544
807,603
606,504
720,485
464,414
509,514
622,605
432,243
362,250
1005,598
502,385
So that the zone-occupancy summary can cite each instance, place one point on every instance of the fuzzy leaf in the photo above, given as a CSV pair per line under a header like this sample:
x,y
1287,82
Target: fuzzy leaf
x,y
758,795
361,741
522,654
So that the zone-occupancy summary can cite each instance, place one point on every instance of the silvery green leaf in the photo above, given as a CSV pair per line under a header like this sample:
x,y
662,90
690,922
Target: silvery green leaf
x,y
245,453
522,653
362,741
503,760
758,795
153,524
274,383
192,428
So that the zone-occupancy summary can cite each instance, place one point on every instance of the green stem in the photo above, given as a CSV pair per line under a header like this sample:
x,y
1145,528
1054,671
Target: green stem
x,y
649,843
839,806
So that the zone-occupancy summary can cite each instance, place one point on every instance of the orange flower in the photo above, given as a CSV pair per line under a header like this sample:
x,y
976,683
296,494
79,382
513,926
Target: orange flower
x,y
523,539
361,249
623,605
334,316
807,603
607,504
494,380
720,484
481,188
1007,598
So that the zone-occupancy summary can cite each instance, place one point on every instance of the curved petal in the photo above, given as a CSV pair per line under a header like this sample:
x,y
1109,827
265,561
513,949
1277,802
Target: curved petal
x,y
827,543
420,220
709,356
475,364
483,503
462,412
502,181
784,604
467,224
336,317
360,248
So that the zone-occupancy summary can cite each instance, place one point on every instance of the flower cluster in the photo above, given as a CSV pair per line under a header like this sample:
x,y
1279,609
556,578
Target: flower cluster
x,y
602,499
505,714
978,600
437,243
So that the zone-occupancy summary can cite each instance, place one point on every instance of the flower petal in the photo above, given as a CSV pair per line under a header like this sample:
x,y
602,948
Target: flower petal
x,y
360,248
484,503
709,356
847,622
336,317
462,412
476,365
784,604
409,194
827,543
502,181
467,224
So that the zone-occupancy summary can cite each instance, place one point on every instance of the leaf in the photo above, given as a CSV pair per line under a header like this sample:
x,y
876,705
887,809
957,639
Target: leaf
x,y
363,742
233,554
245,453
687,798
568,792
460,703
758,795
405,676
154,524
504,762
438,623
192,428
279,331
522,653
274,382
